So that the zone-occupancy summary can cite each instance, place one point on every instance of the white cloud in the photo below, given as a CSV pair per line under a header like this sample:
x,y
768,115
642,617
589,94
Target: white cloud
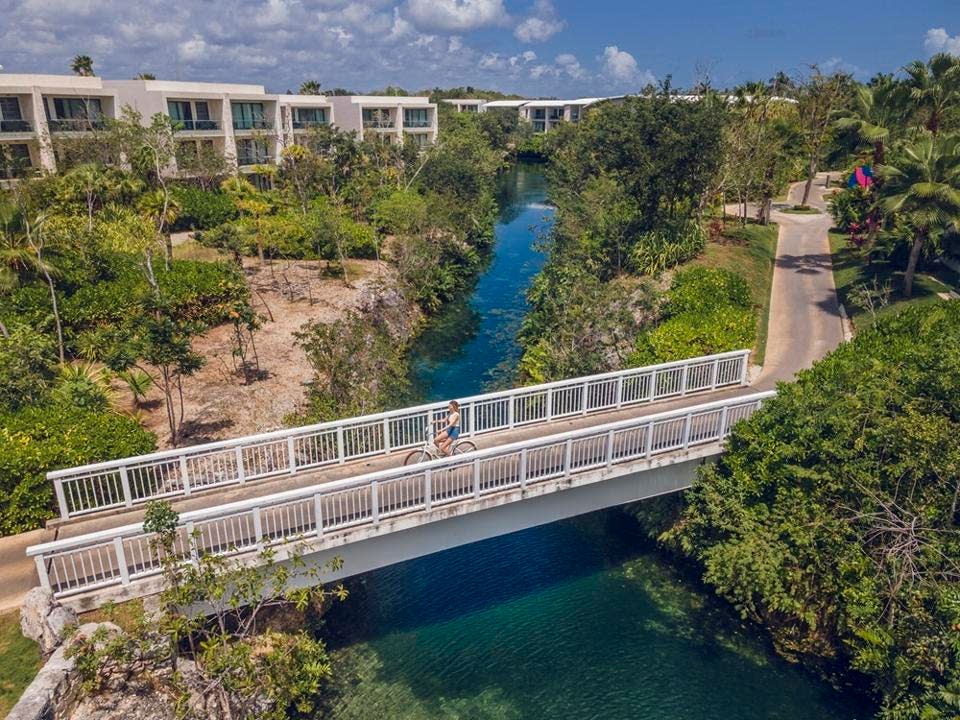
x,y
937,40
569,64
193,49
457,15
454,44
621,67
274,12
541,25
493,61
342,35
528,56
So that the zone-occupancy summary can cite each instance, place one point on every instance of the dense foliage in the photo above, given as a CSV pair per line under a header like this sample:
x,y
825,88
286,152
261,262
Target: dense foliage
x,y
832,518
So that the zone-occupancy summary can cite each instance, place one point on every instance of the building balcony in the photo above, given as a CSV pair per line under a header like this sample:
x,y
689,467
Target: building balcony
x,y
76,124
380,124
197,125
15,126
253,124
415,124
310,124
254,159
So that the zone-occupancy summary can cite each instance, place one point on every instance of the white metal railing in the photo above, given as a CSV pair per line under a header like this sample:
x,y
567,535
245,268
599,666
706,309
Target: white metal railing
x,y
179,472
126,554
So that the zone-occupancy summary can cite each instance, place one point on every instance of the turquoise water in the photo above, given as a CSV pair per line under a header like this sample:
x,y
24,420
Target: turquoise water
x,y
576,620
470,346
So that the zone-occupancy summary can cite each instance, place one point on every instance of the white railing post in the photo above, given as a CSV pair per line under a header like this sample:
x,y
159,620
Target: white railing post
x,y
650,440
41,564
567,456
125,484
61,499
609,451
510,412
341,456
374,503
121,560
620,391
476,479
714,374
238,461
687,423
291,455
522,469
428,490
258,528
386,436
318,512
652,391
683,379
192,543
723,423
549,404
744,367
586,395
184,475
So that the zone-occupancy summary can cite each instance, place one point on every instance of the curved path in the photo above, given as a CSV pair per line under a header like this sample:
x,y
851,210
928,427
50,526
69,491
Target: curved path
x,y
805,322
804,326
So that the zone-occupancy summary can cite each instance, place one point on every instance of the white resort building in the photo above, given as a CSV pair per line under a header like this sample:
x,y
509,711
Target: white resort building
x,y
246,124
543,115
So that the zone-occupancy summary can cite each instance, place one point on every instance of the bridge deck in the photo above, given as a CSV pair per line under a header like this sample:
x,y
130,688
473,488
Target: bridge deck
x,y
219,496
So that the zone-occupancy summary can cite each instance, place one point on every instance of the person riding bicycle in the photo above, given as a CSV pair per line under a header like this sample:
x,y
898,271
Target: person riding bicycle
x,y
451,430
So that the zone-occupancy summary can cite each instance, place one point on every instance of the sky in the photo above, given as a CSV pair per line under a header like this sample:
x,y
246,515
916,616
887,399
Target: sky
x,y
538,48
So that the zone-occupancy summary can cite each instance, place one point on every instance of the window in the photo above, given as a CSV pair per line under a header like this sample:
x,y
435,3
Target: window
x,y
377,118
469,108
574,114
252,152
249,116
10,118
539,114
309,117
14,161
421,140
191,115
418,118
75,114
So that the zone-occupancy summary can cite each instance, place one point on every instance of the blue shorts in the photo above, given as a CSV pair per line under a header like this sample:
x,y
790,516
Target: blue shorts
x,y
453,433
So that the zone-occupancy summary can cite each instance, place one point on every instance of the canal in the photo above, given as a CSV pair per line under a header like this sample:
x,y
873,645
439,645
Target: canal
x,y
581,619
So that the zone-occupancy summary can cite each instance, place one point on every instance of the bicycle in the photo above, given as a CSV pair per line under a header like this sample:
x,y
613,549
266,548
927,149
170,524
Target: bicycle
x,y
430,451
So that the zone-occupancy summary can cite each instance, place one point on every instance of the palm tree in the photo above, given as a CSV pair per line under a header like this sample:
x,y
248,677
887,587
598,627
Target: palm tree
x,y
145,76
309,87
163,210
935,86
922,186
879,110
82,65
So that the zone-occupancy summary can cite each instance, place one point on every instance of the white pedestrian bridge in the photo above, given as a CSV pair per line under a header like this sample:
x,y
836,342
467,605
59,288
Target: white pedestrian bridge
x,y
339,488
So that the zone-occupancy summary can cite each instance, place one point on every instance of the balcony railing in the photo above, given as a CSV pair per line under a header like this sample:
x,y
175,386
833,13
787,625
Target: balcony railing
x,y
380,124
256,159
76,124
308,124
14,126
417,123
15,172
195,125
253,124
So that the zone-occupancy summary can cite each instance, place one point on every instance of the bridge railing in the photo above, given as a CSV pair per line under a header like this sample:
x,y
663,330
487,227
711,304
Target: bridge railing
x,y
126,554
136,480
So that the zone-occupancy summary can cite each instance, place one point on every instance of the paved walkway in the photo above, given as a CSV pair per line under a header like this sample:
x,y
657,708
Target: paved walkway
x,y
805,321
804,326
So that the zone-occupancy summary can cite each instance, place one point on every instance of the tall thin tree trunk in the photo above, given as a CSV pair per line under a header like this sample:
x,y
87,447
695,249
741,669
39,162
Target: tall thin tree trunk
x,y
912,264
811,173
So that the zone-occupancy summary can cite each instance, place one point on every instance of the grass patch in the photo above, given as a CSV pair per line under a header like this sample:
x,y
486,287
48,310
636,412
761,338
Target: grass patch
x,y
192,250
749,251
850,270
19,661
800,210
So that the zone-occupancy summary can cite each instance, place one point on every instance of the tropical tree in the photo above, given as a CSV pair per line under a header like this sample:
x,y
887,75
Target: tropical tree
x,y
249,203
879,111
309,87
163,210
922,187
82,65
935,87
819,99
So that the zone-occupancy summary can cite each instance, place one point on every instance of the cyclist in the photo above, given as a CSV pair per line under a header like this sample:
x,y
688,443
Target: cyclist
x,y
451,429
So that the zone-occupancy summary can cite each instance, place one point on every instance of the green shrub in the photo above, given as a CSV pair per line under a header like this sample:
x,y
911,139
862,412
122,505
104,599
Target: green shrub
x,y
663,248
202,209
702,290
27,363
401,212
40,438
693,334
850,208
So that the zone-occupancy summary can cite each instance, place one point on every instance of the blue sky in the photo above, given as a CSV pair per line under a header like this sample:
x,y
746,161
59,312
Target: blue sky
x,y
535,47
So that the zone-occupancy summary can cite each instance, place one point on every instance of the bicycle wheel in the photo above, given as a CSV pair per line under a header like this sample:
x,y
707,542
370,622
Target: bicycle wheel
x,y
464,447
417,456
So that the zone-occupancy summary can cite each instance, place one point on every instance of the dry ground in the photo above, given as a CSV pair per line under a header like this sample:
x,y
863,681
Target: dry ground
x,y
286,294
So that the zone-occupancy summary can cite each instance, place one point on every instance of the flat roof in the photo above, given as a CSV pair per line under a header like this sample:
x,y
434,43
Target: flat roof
x,y
464,100
506,103
389,100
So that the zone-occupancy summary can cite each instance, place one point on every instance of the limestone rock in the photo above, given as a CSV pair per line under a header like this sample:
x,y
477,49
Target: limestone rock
x,y
44,620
